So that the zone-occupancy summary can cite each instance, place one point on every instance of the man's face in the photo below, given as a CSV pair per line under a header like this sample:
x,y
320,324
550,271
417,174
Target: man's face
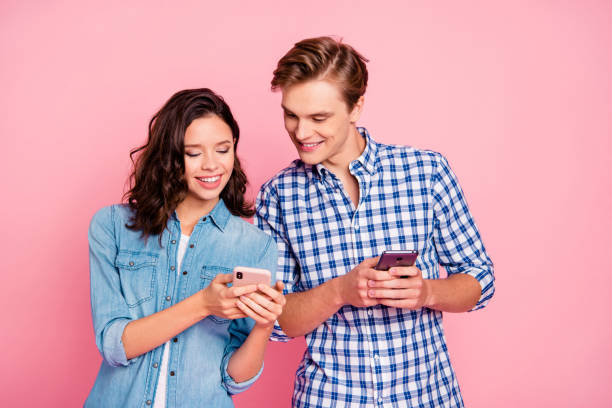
x,y
318,120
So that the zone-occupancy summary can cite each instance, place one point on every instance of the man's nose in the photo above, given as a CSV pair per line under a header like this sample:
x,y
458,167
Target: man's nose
x,y
303,131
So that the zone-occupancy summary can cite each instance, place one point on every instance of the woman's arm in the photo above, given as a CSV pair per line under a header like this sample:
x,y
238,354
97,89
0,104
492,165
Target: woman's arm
x,y
147,333
263,307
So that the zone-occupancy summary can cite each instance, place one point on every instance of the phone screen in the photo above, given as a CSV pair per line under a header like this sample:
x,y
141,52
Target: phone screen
x,y
389,259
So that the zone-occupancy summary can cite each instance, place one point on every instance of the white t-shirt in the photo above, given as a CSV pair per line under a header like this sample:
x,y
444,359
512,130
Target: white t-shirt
x,y
160,391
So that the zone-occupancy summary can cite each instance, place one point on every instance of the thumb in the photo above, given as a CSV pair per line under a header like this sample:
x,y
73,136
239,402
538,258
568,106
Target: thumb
x,y
224,278
280,286
371,262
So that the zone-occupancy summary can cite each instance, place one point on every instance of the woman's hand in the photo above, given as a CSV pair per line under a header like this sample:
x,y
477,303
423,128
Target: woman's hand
x,y
219,300
263,306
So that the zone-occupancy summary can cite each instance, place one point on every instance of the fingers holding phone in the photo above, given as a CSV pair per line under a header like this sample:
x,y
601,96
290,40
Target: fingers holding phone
x,y
407,289
266,304
220,300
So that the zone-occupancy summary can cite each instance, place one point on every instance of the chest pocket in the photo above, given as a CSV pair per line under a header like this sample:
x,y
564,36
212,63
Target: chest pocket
x,y
137,271
208,274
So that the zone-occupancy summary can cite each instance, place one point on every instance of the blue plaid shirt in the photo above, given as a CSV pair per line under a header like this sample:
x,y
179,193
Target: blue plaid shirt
x,y
409,199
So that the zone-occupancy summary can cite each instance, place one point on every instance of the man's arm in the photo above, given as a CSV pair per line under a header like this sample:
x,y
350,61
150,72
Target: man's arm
x,y
305,311
470,282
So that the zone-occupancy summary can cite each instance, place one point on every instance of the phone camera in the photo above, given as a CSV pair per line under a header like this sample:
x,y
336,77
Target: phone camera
x,y
239,275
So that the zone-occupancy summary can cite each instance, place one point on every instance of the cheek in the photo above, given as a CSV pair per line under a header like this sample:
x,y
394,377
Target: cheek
x,y
290,125
228,164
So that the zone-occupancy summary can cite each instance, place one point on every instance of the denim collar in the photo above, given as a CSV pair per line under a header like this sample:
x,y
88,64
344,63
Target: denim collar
x,y
219,215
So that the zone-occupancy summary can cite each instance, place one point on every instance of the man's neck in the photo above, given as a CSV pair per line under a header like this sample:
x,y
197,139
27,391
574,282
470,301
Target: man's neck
x,y
352,149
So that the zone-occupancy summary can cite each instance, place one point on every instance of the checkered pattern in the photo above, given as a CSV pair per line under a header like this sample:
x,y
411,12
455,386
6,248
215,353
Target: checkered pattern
x,y
409,199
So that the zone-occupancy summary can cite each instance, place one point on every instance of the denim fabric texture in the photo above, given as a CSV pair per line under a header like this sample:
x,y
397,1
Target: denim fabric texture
x,y
132,278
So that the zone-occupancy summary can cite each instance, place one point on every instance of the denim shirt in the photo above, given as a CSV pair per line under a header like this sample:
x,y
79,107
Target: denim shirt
x,y
131,279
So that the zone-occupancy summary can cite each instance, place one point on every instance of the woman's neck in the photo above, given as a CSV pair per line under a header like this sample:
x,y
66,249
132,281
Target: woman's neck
x,y
189,211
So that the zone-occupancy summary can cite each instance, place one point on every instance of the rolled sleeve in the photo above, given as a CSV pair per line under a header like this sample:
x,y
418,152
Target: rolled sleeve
x,y
239,330
109,309
232,386
112,346
269,219
458,242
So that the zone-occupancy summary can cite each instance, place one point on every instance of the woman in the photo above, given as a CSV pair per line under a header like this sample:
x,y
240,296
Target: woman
x,y
172,331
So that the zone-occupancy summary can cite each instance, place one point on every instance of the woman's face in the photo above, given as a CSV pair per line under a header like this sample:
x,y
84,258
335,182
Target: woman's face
x,y
209,159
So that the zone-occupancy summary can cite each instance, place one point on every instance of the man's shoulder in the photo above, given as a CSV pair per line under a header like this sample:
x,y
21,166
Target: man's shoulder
x,y
390,155
294,174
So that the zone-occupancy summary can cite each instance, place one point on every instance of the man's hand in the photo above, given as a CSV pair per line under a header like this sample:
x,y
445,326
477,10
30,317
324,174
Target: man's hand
x,y
353,287
412,292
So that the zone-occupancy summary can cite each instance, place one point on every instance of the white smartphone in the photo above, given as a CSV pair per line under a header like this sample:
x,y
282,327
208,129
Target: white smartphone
x,y
243,275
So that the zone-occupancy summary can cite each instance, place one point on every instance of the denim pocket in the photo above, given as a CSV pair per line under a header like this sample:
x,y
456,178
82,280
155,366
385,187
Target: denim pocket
x,y
137,271
208,274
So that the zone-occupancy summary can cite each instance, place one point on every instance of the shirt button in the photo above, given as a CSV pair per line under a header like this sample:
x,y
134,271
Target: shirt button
x,y
175,339
171,373
356,227
204,219
172,268
174,241
155,365
148,402
131,263
191,246
370,313
376,357
168,298
184,272
379,399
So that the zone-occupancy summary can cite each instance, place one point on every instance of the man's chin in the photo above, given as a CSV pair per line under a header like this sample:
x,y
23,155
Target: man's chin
x,y
311,159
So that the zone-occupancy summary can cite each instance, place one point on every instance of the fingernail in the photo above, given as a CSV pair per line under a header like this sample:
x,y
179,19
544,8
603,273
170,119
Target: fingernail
x,y
370,283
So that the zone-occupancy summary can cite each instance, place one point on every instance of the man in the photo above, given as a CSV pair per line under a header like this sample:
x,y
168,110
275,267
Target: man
x,y
374,338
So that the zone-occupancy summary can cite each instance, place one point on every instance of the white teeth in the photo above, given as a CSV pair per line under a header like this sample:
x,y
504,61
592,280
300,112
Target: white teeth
x,y
209,179
310,144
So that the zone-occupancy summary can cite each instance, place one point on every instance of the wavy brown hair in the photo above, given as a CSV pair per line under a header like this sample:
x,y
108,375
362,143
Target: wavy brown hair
x,y
157,183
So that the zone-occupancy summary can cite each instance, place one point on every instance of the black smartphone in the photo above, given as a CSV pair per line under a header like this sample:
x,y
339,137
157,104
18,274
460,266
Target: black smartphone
x,y
389,259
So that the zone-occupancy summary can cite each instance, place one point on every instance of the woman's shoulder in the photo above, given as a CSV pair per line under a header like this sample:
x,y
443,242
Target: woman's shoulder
x,y
112,213
111,219
245,229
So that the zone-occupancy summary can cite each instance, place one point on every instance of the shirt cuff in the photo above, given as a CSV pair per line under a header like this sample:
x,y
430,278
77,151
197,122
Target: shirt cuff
x,y
278,334
232,386
487,287
112,346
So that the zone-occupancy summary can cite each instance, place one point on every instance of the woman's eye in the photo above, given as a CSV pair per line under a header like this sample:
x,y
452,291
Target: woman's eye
x,y
319,119
192,154
223,151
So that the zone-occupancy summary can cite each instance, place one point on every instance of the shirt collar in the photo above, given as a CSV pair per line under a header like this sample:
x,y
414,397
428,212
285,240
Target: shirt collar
x,y
219,215
367,159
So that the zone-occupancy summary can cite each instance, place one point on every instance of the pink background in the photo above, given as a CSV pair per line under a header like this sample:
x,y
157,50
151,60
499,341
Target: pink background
x,y
516,94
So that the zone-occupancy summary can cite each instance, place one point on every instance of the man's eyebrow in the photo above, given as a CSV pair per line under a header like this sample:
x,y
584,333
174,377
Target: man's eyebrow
x,y
322,113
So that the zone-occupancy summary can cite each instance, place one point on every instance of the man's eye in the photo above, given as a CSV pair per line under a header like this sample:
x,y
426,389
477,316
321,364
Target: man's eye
x,y
319,119
290,115
192,154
